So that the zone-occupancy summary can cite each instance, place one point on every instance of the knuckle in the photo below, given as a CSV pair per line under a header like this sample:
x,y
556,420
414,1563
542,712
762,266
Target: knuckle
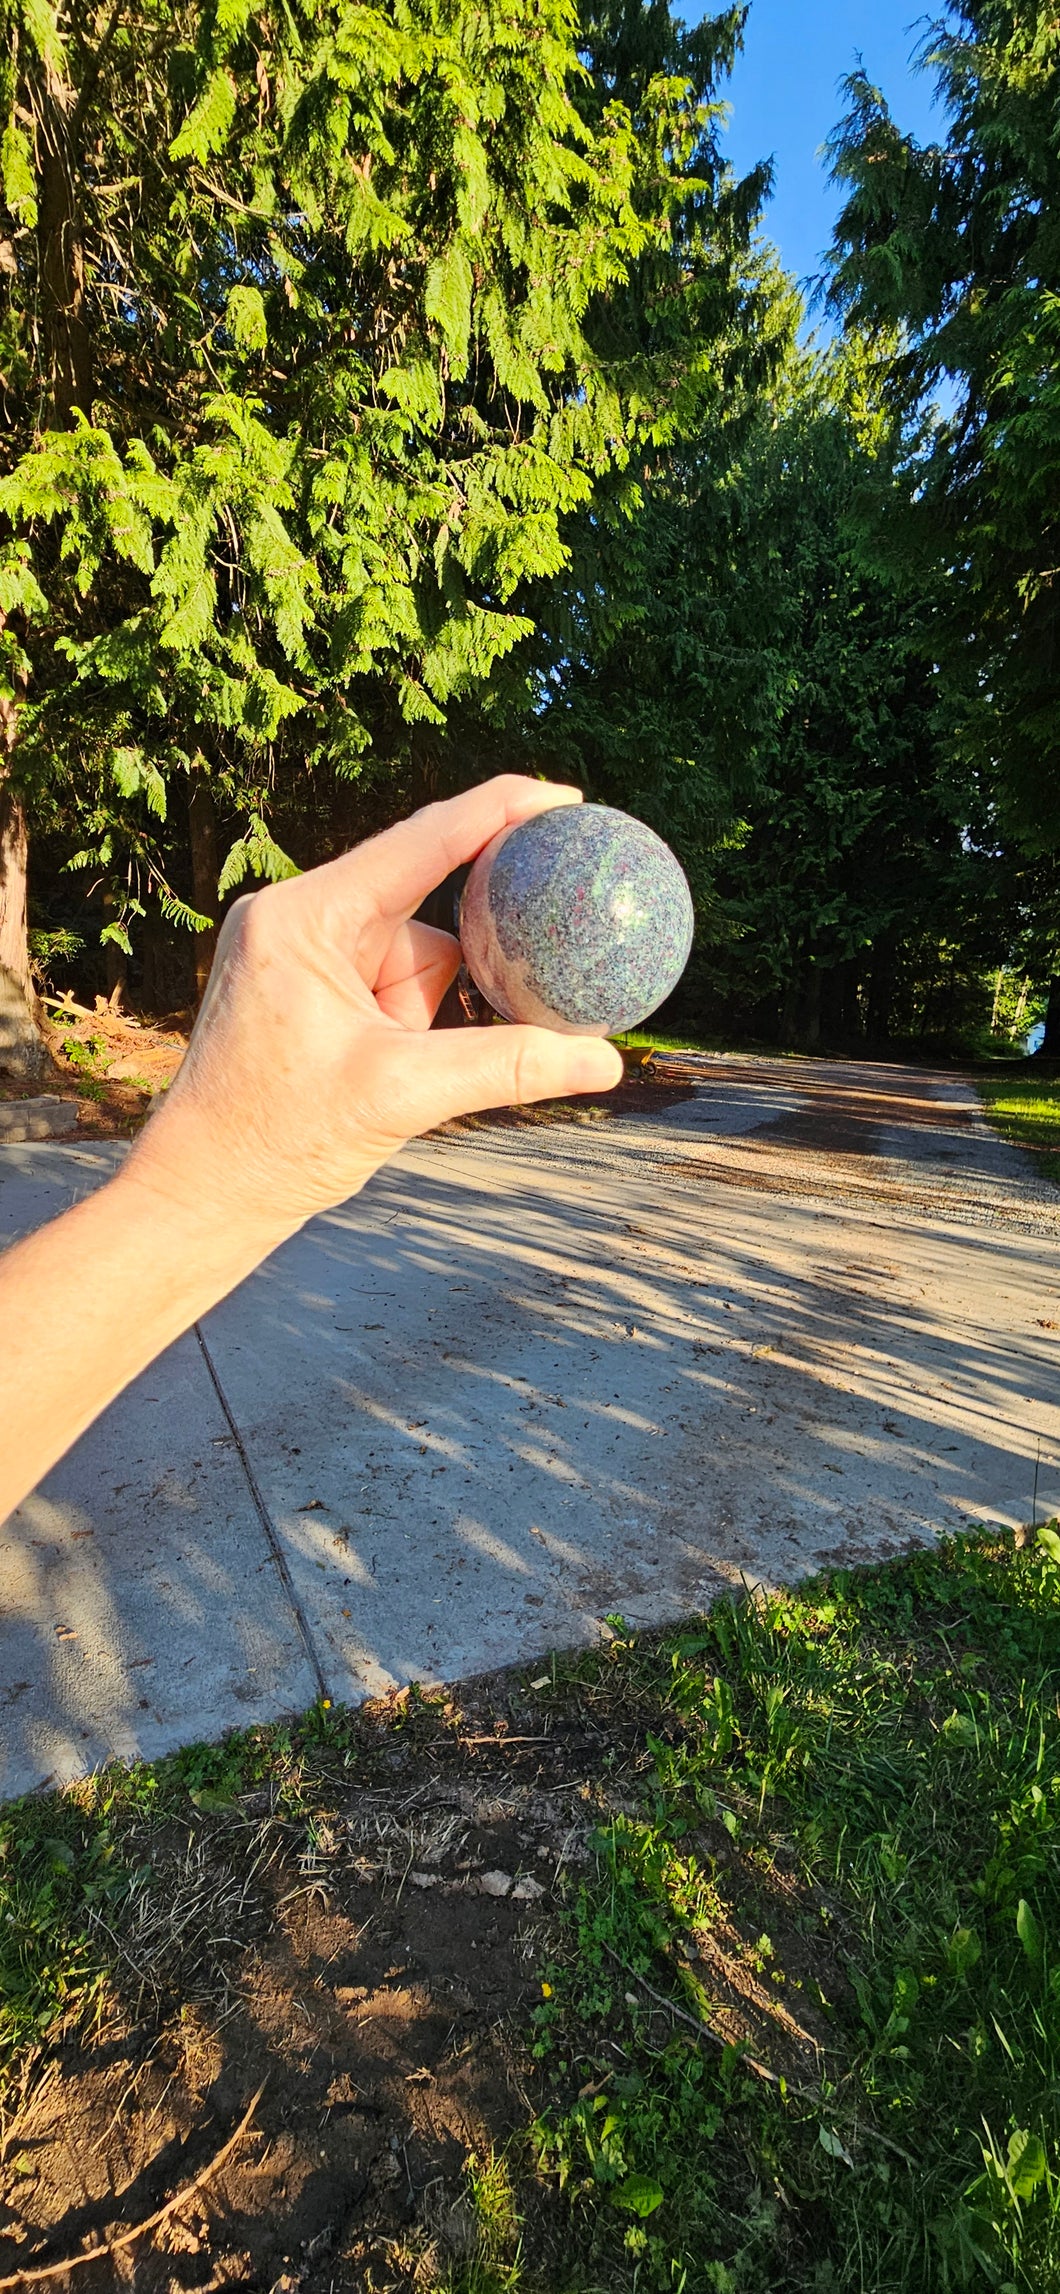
x,y
254,921
514,784
531,1076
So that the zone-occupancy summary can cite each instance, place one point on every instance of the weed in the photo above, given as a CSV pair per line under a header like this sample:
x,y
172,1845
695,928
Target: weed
x,y
85,1054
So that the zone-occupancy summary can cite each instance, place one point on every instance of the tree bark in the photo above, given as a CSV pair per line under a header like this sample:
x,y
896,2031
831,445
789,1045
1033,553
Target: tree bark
x,y
833,1002
810,1014
852,1016
205,870
881,989
115,960
22,1051
788,1015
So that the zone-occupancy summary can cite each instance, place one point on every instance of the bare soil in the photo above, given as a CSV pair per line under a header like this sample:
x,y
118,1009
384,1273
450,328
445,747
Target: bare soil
x,y
370,1964
110,1062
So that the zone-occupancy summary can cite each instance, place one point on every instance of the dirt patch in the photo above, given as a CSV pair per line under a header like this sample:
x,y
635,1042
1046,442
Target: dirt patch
x,y
110,1063
369,1964
372,1963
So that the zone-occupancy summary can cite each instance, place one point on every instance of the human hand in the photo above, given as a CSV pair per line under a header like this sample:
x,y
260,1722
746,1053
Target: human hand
x,y
311,1062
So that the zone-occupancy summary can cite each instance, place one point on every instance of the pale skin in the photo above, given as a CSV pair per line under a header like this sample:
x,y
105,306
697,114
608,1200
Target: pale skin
x,y
310,1065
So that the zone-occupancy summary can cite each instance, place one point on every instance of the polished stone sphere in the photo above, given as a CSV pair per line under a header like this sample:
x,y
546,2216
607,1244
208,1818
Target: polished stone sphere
x,y
579,919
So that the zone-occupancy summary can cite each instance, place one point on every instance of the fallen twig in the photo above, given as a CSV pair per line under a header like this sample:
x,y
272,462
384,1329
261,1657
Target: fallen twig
x,y
761,2070
67,1004
705,2031
35,2275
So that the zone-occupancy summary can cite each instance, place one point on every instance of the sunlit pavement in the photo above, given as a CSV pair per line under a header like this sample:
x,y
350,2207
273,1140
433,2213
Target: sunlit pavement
x,y
533,1378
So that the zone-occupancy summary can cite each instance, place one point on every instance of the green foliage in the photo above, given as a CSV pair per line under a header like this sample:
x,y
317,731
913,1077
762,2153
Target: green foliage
x,y
55,1870
328,367
947,253
397,391
730,666
854,875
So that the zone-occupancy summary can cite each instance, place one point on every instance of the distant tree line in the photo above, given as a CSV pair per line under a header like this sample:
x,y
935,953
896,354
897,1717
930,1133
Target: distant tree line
x,y
395,394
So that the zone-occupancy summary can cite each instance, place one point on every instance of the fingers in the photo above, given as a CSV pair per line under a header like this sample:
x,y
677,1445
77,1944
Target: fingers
x,y
459,1070
418,967
405,863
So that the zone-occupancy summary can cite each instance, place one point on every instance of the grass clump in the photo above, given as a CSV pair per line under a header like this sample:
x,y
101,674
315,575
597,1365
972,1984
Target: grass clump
x,y
858,1790
664,1040
1025,1107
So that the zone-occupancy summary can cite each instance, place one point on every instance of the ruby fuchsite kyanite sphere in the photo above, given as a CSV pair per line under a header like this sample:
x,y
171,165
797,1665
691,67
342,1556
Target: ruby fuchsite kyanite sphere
x,y
579,919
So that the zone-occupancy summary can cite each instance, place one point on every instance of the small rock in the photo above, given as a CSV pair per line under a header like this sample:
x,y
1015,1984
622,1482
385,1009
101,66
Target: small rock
x,y
495,1883
425,1879
526,1890
46,1118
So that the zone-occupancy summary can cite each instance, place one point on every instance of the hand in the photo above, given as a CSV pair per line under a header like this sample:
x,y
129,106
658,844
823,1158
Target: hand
x,y
311,1062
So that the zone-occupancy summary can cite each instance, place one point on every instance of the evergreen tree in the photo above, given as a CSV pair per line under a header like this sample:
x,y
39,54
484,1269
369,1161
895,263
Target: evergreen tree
x,y
955,248
854,868
640,684
303,332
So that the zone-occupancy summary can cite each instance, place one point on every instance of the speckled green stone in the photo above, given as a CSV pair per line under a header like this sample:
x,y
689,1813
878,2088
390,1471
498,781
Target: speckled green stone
x,y
579,919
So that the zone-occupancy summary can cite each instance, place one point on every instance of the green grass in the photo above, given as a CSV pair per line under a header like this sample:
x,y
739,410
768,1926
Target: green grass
x,y
1026,1109
664,1042
849,1799
878,1760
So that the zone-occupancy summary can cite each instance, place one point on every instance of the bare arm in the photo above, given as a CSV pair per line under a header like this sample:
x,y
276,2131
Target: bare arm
x,y
309,1066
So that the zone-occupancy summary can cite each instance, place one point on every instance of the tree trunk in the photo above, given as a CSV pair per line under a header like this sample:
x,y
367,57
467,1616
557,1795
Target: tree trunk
x,y
115,960
205,870
833,1002
810,1017
1050,1045
22,1050
852,1014
61,255
881,989
788,1015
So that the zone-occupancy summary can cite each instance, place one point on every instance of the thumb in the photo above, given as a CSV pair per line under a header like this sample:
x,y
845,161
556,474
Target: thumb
x,y
459,1070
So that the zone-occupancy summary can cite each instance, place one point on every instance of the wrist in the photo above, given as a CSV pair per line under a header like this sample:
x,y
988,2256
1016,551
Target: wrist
x,y
208,1239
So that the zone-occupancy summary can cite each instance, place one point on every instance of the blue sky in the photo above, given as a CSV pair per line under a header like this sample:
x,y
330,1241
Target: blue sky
x,y
785,99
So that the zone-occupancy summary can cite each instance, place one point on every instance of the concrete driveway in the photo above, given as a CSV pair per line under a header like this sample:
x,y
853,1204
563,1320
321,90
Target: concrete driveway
x,y
532,1377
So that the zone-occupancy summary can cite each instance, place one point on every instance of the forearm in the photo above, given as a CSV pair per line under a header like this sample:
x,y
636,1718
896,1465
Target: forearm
x,y
89,1300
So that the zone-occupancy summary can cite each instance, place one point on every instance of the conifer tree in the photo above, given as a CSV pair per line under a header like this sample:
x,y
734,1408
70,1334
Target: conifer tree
x,y
304,345
948,255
